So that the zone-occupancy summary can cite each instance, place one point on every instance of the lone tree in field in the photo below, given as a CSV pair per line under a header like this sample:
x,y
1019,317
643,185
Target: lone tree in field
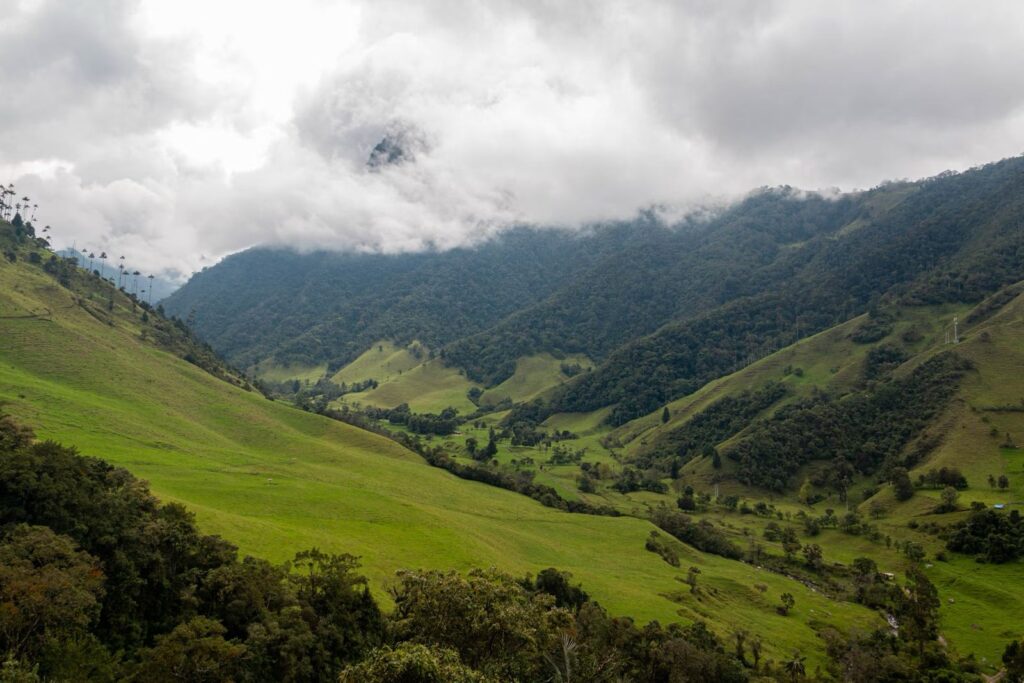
x,y
949,497
903,488
1004,482
788,602
665,415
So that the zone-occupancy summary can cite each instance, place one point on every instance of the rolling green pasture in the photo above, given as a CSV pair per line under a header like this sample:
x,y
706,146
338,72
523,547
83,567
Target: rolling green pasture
x,y
534,375
384,361
429,387
276,372
275,480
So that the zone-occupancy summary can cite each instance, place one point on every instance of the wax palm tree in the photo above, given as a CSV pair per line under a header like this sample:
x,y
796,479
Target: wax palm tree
x,y
795,666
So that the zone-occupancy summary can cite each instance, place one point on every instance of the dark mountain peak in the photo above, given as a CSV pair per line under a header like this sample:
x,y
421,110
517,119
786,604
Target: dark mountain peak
x,y
400,145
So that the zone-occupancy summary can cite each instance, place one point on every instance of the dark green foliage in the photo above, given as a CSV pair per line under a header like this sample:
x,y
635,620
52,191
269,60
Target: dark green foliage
x,y
656,543
716,423
329,307
97,566
113,517
903,488
876,327
659,276
631,479
1013,660
953,238
862,430
993,536
49,591
558,585
701,535
194,651
941,478
412,663
419,423
881,360
916,607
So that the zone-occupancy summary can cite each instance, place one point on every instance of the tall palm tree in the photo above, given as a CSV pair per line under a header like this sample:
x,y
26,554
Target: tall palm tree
x,y
103,262
150,276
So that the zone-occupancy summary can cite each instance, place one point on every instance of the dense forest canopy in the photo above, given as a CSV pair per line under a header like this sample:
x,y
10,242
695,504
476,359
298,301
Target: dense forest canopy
x,y
664,309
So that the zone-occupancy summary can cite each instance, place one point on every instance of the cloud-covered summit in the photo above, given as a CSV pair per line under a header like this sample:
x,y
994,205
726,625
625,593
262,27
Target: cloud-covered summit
x,y
178,132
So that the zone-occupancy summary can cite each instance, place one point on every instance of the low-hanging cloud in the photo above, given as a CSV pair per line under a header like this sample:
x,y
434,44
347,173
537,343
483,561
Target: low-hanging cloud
x,y
176,133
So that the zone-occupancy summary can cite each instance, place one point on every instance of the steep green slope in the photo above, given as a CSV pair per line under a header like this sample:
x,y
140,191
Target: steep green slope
x,y
429,387
324,307
981,603
956,239
661,309
274,479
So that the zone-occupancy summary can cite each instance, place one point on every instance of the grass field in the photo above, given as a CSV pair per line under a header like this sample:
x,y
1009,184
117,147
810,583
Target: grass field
x,y
429,387
285,373
534,375
383,362
982,603
275,480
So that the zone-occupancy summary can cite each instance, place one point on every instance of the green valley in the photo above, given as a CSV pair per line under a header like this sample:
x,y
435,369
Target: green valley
x,y
274,479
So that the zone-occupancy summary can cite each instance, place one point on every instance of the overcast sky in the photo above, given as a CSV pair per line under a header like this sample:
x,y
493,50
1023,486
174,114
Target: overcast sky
x,y
177,132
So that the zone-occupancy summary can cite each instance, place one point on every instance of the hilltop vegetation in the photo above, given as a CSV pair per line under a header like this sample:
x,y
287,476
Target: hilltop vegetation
x,y
275,480
762,420
661,310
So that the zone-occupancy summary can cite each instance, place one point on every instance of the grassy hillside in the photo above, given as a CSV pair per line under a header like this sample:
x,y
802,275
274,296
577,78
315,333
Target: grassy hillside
x,y
533,376
274,479
429,387
981,602
383,361
277,372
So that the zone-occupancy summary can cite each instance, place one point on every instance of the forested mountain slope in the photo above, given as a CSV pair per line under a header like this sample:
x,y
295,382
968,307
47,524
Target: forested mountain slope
x,y
274,479
328,307
660,309
954,239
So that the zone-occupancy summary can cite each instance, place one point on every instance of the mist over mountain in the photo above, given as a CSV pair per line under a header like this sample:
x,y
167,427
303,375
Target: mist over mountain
x,y
662,309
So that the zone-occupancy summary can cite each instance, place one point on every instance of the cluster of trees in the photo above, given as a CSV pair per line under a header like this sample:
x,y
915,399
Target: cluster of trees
x,y
991,535
881,360
510,478
631,479
942,478
664,309
98,580
700,534
708,428
859,432
330,307
953,239
442,424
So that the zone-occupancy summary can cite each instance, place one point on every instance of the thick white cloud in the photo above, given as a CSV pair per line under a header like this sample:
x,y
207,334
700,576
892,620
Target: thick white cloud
x,y
178,132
